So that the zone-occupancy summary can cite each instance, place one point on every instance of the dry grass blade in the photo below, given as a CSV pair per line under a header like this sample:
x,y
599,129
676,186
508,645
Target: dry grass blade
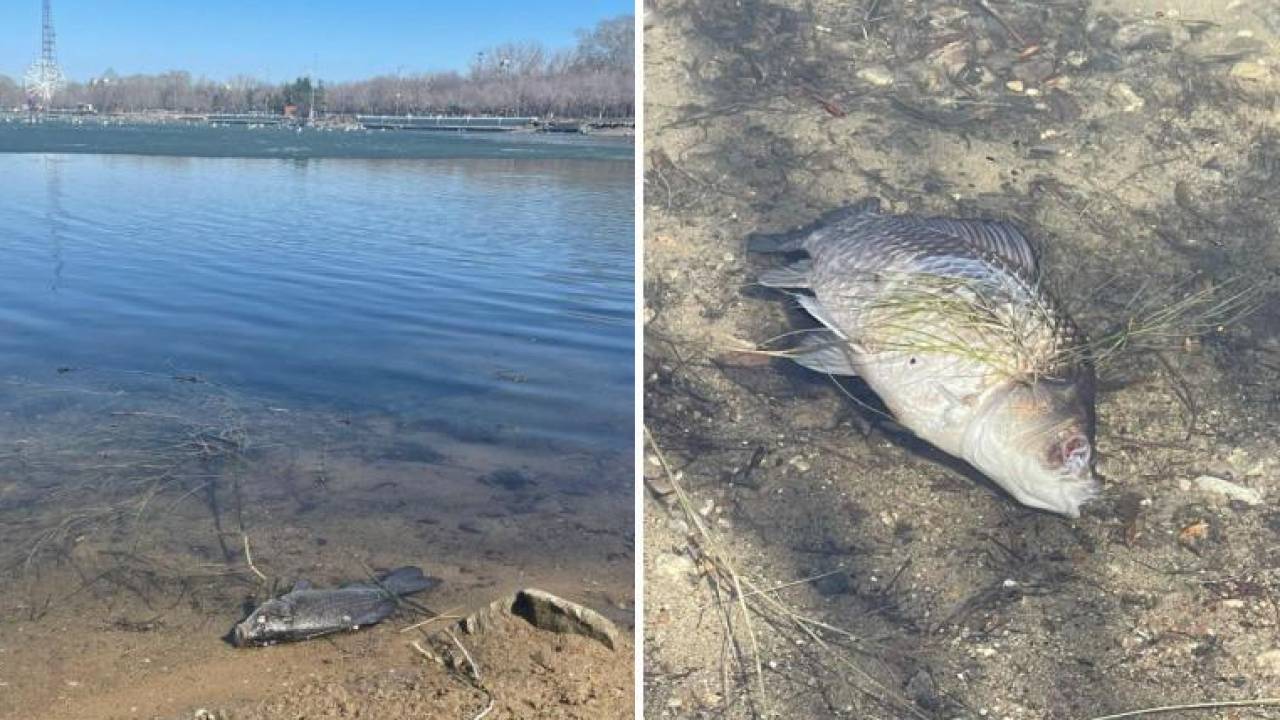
x,y
1156,321
446,615
248,559
1165,709
475,669
710,549
750,600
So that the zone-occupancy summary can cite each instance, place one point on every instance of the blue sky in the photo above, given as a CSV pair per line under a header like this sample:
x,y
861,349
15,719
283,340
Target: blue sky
x,y
281,39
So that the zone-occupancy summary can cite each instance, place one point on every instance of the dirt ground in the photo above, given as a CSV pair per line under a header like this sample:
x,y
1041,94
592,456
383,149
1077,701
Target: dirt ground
x,y
118,593
1138,143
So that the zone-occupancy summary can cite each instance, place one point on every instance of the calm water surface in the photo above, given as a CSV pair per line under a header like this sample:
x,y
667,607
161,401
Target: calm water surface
x,y
486,295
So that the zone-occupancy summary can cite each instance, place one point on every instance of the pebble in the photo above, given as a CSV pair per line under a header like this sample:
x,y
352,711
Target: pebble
x,y
1209,483
1269,662
1126,98
877,75
1142,36
1015,86
679,569
1249,71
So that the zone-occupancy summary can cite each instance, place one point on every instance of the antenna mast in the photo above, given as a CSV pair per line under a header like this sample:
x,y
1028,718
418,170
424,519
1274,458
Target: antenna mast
x,y
44,77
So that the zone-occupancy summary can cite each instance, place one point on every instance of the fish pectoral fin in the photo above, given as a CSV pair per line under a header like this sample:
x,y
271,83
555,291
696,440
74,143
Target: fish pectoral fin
x,y
825,352
959,407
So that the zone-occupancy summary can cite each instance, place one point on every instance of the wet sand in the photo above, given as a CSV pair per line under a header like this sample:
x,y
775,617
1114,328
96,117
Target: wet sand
x,y
120,589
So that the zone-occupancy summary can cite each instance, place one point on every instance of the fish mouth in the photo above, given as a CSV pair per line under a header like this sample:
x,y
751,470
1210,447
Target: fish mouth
x,y
239,636
1072,492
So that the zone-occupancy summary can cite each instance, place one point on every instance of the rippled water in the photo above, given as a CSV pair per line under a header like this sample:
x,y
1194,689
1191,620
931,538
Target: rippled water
x,y
479,294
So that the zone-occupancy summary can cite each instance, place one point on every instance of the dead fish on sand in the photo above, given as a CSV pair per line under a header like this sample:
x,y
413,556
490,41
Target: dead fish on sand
x,y
947,321
306,612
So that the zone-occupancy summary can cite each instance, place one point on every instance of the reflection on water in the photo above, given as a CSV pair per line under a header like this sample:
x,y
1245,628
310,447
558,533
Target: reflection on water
x,y
53,217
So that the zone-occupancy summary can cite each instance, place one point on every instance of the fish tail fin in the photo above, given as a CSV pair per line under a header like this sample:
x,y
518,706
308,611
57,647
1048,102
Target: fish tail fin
x,y
408,580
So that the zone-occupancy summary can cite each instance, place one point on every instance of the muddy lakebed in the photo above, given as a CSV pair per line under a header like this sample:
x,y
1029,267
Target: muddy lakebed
x,y
803,558
224,375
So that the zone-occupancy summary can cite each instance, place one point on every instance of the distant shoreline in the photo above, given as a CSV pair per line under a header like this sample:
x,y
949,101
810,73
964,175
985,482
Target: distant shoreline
x,y
571,125
157,135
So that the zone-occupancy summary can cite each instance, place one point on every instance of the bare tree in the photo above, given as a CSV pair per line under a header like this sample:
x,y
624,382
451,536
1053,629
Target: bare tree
x,y
595,78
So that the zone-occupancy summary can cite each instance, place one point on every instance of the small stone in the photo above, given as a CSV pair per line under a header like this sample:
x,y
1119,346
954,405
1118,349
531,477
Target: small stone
x,y
678,568
546,612
877,75
1248,496
1143,35
922,689
1249,71
1015,86
1126,98
1035,70
1269,662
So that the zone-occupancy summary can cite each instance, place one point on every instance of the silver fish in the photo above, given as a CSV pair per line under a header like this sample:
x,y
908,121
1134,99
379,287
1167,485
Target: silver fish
x,y
948,322
306,612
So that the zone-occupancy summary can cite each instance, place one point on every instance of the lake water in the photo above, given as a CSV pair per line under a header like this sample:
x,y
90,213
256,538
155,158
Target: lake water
x,y
489,294
348,362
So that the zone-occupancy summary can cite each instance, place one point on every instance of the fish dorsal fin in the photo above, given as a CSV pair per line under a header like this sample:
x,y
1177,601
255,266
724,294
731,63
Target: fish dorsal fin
x,y
996,236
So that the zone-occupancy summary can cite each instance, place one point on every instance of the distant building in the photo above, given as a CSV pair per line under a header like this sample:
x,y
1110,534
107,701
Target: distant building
x,y
291,111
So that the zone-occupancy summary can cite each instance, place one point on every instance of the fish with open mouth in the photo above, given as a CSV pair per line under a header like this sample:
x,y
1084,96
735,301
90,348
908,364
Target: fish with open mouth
x,y
947,320
306,612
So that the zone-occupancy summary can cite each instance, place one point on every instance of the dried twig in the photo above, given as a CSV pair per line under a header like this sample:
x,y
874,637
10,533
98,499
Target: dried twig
x,y
475,669
248,558
1261,702
986,6
446,615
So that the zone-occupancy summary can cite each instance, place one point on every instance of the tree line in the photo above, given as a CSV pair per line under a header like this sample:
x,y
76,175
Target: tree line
x,y
595,78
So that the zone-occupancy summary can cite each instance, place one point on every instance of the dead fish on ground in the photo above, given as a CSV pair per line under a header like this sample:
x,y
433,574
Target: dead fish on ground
x,y
306,612
948,322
